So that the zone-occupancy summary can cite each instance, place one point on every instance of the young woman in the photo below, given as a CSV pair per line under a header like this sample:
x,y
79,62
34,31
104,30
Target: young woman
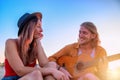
x,y
21,53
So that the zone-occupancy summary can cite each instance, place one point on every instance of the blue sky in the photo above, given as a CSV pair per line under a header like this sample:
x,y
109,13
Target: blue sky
x,y
61,21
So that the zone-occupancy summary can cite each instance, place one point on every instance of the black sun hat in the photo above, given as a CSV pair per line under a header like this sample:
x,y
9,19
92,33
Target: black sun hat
x,y
25,18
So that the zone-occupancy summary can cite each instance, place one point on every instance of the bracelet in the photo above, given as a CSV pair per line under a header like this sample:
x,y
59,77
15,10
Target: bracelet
x,y
58,67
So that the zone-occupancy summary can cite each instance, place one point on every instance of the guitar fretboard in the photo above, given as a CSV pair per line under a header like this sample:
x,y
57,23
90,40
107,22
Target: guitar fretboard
x,y
113,57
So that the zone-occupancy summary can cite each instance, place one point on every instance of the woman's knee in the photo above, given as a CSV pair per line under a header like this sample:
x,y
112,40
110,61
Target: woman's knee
x,y
49,77
36,73
91,76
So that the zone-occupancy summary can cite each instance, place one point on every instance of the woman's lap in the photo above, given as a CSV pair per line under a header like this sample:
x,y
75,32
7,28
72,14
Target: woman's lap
x,y
11,78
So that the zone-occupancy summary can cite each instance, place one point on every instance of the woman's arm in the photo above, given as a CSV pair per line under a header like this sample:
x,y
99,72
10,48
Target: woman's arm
x,y
42,58
14,60
45,66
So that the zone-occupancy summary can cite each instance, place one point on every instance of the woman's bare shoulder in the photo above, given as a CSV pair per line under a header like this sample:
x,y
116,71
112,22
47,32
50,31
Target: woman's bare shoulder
x,y
10,46
8,41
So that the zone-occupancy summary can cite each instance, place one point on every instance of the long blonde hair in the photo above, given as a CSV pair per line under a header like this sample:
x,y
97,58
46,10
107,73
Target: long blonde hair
x,y
92,28
28,52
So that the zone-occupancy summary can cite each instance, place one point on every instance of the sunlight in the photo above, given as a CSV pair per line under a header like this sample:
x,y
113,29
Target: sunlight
x,y
113,74
114,64
114,70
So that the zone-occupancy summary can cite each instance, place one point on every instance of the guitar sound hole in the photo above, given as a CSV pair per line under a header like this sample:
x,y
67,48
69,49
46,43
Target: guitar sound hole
x,y
79,66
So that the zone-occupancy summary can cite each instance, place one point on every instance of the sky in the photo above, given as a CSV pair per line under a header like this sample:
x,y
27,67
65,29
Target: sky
x,y
61,22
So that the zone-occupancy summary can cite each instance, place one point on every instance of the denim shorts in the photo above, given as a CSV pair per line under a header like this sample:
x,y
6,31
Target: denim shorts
x,y
11,78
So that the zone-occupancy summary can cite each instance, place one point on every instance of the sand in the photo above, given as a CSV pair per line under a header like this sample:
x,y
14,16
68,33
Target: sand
x,y
1,72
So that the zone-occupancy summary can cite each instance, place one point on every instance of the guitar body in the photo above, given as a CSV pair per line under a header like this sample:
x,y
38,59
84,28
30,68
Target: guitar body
x,y
80,65
76,66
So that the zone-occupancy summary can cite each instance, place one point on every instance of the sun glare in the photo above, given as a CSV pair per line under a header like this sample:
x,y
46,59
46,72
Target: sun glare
x,y
114,64
113,74
114,70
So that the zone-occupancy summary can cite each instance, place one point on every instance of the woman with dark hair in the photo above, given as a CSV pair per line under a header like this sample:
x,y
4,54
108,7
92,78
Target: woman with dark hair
x,y
21,53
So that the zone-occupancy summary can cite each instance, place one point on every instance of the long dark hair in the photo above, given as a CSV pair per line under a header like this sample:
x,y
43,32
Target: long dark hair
x,y
28,52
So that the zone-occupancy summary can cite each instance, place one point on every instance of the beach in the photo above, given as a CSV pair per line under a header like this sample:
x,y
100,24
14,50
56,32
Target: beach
x,y
111,74
1,72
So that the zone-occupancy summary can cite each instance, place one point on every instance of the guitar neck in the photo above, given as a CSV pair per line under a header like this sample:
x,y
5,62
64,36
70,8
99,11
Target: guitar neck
x,y
113,57
109,58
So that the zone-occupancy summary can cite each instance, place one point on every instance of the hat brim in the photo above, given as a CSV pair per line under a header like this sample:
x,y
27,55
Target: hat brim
x,y
38,14
31,16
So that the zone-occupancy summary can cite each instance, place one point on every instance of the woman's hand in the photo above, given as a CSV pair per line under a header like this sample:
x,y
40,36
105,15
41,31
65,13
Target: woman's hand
x,y
59,75
56,73
38,36
68,76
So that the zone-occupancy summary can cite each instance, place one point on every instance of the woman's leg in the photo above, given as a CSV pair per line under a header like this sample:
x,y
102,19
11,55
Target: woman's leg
x,y
53,65
89,76
35,75
49,77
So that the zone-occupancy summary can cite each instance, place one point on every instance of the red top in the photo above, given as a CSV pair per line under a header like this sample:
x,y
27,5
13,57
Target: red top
x,y
10,72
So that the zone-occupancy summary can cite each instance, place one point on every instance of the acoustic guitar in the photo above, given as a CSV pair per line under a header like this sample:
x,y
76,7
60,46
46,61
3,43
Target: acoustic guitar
x,y
79,65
